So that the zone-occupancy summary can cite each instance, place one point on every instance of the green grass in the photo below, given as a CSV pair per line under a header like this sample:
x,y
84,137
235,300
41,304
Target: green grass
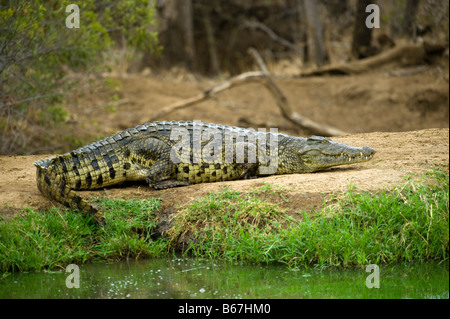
x,y
59,237
409,223
228,224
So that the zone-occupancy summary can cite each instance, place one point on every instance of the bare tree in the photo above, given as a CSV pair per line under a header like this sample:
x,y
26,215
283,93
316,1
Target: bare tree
x,y
175,19
210,39
316,47
409,19
362,35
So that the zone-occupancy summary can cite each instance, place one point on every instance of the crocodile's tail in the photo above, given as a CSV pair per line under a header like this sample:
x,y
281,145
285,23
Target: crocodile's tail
x,y
54,187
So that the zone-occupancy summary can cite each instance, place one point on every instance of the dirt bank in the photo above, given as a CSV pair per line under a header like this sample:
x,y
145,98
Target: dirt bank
x,y
397,155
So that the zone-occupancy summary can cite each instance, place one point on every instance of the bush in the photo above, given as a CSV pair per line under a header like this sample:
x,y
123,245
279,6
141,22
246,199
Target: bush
x,y
37,49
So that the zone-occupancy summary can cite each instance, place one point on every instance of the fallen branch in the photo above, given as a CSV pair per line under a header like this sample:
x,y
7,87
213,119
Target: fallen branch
x,y
266,81
408,54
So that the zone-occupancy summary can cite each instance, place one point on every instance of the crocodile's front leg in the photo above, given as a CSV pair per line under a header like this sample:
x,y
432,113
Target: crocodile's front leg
x,y
167,183
153,163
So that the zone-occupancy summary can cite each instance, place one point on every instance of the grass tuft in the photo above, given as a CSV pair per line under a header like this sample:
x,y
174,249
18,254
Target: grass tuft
x,y
229,224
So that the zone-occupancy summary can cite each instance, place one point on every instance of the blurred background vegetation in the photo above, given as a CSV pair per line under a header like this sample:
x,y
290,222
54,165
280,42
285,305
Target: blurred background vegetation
x,y
44,64
37,51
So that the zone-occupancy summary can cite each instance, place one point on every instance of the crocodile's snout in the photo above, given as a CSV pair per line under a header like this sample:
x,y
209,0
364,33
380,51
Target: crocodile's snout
x,y
368,150
367,153
362,154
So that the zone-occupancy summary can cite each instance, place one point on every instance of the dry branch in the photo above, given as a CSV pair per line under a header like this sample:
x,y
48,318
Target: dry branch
x,y
408,54
266,81
259,60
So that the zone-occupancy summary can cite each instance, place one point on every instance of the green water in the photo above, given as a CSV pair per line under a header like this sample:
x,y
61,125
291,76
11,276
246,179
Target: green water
x,y
194,278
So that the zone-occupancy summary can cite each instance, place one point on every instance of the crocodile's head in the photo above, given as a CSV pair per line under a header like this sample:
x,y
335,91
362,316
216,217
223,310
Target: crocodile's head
x,y
319,153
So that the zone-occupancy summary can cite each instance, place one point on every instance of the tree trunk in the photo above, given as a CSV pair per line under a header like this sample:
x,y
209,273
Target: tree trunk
x,y
176,31
409,19
316,47
210,39
187,24
362,35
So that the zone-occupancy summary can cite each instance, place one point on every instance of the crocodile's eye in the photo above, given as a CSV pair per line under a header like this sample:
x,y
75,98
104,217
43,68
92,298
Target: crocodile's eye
x,y
313,140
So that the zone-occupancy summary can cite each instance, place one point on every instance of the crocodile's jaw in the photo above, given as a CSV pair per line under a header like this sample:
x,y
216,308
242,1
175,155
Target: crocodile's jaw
x,y
317,160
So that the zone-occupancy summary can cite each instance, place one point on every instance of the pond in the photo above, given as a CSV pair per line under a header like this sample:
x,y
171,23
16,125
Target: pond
x,y
198,278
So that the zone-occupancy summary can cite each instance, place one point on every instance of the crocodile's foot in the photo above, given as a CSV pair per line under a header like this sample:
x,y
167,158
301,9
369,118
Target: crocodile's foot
x,y
167,183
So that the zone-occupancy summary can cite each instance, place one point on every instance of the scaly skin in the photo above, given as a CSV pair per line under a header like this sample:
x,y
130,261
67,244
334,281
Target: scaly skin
x,y
154,153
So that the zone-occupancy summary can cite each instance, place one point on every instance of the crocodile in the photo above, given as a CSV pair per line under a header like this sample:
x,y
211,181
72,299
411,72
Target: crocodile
x,y
179,153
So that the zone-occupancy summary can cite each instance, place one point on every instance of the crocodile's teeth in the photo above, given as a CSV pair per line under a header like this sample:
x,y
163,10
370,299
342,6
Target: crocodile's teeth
x,y
361,154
